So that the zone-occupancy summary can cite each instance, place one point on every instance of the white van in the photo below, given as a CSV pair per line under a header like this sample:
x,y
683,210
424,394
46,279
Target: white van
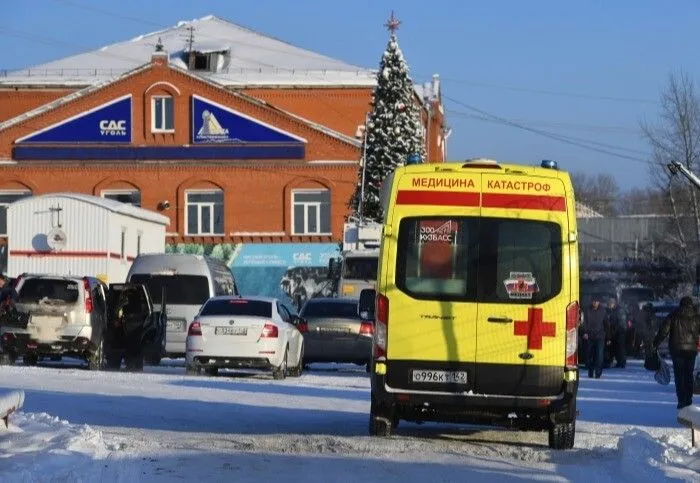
x,y
189,280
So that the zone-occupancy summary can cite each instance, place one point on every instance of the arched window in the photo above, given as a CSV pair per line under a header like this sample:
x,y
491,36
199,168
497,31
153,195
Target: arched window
x,y
311,211
204,213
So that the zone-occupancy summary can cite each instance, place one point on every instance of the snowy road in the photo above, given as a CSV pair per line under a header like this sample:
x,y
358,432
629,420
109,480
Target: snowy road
x,y
165,426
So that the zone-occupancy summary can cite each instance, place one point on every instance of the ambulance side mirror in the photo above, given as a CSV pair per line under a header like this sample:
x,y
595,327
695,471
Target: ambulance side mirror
x,y
368,297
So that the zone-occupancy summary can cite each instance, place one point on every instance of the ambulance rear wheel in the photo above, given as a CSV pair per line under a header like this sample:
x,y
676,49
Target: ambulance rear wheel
x,y
561,435
380,421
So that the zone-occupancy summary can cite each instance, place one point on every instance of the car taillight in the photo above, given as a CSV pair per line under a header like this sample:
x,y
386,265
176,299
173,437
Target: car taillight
x,y
303,327
381,326
195,329
8,336
366,328
269,331
88,296
572,319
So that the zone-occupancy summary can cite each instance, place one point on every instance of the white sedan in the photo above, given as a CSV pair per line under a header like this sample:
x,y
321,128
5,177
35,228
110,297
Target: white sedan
x,y
248,332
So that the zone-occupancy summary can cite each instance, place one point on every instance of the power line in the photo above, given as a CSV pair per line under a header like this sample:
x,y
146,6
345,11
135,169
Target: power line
x,y
585,144
555,124
573,138
549,92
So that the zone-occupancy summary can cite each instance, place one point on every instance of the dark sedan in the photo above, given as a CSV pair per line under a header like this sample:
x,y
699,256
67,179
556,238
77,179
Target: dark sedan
x,y
334,331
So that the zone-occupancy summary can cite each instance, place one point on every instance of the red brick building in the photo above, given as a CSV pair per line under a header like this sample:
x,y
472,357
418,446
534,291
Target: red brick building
x,y
237,137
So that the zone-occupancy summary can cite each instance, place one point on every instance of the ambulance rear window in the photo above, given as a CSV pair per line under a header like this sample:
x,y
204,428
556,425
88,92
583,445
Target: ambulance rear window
x,y
479,259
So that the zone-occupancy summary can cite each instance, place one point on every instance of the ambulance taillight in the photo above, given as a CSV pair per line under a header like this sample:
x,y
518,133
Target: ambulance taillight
x,y
381,326
572,318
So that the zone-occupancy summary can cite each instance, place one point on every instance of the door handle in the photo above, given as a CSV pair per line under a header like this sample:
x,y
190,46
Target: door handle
x,y
500,320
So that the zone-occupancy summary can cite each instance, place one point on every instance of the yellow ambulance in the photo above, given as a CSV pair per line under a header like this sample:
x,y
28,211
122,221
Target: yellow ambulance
x,y
476,305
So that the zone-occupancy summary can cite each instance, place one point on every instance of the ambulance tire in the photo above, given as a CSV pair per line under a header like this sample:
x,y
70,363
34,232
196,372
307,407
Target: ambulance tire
x,y
380,423
561,435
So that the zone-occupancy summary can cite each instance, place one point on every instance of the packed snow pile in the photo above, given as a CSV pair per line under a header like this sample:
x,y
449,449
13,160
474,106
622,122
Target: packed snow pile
x,y
41,447
643,458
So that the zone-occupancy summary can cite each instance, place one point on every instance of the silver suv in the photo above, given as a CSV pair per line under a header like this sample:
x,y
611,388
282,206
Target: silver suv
x,y
56,316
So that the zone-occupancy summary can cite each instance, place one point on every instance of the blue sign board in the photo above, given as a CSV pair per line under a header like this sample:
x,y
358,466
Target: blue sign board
x,y
285,255
106,123
214,123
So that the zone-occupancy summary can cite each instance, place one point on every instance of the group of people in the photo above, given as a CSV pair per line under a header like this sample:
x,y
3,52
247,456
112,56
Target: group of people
x,y
606,329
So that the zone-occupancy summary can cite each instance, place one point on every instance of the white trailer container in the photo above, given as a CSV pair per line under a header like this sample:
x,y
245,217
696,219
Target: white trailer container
x,y
77,234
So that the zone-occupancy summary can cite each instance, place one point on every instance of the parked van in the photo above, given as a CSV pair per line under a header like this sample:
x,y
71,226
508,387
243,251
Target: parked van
x,y
477,299
189,281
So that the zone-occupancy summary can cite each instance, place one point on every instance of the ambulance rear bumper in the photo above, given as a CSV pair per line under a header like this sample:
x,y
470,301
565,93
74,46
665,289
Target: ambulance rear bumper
x,y
465,405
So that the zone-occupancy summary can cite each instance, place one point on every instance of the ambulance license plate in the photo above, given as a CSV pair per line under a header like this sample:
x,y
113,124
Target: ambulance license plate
x,y
440,377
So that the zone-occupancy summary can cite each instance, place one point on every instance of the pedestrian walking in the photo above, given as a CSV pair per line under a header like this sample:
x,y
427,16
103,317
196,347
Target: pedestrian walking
x,y
682,327
619,324
595,333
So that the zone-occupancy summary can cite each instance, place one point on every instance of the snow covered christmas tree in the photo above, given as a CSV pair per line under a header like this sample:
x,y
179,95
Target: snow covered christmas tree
x,y
394,129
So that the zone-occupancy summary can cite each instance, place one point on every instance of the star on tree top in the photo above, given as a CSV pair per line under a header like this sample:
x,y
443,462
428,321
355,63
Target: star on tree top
x,y
393,23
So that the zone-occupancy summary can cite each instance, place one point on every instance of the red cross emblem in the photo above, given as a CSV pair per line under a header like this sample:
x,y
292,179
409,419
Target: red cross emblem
x,y
534,328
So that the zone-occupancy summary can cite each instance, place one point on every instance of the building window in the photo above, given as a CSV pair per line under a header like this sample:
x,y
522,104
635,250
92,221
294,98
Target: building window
x,y
205,212
163,114
311,212
6,198
131,197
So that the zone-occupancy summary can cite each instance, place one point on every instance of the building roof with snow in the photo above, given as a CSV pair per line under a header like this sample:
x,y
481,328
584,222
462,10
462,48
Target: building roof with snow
x,y
232,55
585,211
105,203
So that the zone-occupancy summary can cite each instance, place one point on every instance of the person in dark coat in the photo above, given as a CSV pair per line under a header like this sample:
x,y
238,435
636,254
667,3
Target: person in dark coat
x,y
595,333
682,327
646,328
8,295
617,319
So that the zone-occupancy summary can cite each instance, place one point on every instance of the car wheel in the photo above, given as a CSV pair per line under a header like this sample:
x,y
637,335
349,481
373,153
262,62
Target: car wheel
x,y
299,368
30,359
281,372
96,361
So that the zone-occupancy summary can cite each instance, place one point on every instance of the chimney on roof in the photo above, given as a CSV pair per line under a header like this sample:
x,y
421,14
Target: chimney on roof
x,y
159,56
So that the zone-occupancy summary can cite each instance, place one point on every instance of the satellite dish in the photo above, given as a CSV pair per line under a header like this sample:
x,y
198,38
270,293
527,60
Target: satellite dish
x,y
56,239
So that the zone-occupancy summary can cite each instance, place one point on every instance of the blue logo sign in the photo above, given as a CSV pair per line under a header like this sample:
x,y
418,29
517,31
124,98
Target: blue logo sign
x,y
214,123
106,123
285,255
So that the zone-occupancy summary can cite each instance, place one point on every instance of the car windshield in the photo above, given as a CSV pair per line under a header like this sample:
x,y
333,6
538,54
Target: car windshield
x,y
360,268
179,289
347,310
230,307
35,289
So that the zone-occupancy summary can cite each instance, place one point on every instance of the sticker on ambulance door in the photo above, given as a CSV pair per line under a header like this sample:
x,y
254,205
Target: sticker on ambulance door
x,y
521,285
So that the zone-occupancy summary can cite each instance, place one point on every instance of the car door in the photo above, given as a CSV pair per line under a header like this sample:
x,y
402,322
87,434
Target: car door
x,y
293,335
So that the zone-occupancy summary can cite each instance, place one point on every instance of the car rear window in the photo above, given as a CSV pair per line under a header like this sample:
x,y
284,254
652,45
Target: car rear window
x,y
253,308
360,268
348,310
479,259
179,289
34,290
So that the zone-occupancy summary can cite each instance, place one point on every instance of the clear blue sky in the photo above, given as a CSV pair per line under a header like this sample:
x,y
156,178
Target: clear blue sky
x,y
589,71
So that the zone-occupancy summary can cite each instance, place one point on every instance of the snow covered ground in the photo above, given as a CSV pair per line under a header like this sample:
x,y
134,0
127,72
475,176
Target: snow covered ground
x,y
164,426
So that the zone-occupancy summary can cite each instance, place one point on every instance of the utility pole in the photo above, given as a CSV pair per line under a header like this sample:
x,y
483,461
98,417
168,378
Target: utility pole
x,y
674,167
364,167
